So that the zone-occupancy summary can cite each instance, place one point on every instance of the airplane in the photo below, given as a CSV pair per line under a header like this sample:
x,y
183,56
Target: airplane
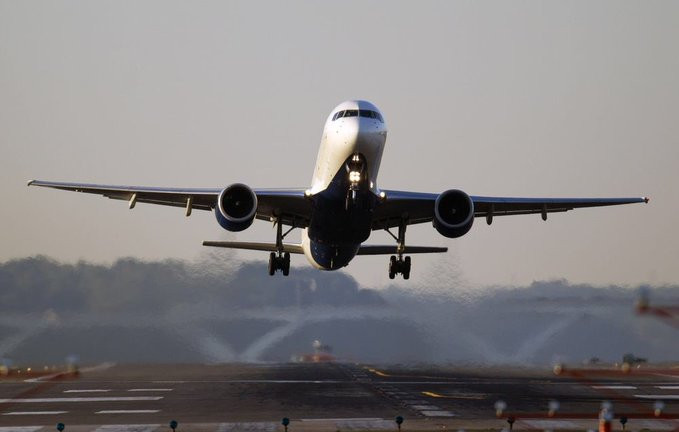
x,y
343,205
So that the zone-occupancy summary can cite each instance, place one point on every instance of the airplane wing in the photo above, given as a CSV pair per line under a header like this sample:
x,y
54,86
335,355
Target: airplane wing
x,y
290,203
419,207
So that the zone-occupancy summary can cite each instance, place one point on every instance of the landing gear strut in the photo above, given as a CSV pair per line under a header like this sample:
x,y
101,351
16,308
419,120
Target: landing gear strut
x,y
399,265
280,260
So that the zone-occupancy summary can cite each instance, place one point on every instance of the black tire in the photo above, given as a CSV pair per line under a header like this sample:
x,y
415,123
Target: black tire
x,y
406,274
285,264
272,264
392,262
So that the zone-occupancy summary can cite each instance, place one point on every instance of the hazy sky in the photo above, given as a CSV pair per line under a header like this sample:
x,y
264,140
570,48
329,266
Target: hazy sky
x,y
575,98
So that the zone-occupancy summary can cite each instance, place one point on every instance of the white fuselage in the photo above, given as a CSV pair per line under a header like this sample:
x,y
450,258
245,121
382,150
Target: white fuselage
x,y
364,134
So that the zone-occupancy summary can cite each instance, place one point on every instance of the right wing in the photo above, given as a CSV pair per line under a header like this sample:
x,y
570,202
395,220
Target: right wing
x,y
418,207
291,204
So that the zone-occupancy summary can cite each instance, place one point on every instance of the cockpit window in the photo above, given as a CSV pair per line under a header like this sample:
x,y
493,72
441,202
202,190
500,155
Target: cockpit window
x,y
355,113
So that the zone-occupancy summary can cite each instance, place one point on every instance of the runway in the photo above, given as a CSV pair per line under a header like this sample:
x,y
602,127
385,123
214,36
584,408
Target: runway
x,y
333,397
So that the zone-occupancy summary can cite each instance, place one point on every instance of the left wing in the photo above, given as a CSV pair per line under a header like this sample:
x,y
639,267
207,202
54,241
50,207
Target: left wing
x,y
290,203
419,207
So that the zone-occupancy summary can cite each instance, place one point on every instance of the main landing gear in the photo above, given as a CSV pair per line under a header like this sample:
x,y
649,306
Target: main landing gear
x,y
399,265
280,260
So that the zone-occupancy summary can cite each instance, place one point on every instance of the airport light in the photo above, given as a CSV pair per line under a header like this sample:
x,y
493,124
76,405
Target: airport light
x,y
399,422
553,407
285,422
61,427
511,421
500,406
658,406
623,422
173,425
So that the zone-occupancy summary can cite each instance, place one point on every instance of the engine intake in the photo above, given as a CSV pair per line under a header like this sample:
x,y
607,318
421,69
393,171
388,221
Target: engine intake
x,y
236,207
453,213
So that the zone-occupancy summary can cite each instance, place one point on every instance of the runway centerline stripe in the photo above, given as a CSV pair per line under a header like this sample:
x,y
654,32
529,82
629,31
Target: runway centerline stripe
x,y
19,428
668,387
35,413
660,396
128,428
614,387
342,419
83,399
127,412
150,390
88,391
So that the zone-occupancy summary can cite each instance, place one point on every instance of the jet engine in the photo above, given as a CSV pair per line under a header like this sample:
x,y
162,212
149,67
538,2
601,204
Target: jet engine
x,y
453,213
236,207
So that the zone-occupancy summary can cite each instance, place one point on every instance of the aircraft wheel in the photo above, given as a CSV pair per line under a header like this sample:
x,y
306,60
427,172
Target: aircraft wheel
x,y
272,264
285,264
406,268
392,269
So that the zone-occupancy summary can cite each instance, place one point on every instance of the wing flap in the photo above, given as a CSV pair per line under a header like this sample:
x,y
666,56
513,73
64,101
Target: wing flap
x,y
267,247
392,250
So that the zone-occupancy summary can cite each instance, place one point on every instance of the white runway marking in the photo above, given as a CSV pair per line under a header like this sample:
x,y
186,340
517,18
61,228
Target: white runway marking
x,y
19,428
668,387
88,391
127,428
83,399
425,407
661,396
341,419
437,413
614,387
127,412
551,424
364,425
35,412
150,390
248,427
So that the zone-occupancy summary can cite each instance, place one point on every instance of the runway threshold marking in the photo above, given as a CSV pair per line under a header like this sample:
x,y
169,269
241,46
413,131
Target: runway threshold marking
x,y
469,396
35,413
148,411
84,399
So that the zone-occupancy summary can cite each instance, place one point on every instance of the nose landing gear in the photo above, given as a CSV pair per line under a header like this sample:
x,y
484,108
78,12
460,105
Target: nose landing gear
x,y
355,168
399,265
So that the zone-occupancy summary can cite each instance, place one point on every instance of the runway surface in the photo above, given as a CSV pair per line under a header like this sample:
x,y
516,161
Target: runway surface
x,y
144,398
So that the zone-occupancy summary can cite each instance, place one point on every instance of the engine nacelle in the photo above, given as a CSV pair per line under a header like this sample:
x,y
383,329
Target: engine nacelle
x,y
236,207
453,213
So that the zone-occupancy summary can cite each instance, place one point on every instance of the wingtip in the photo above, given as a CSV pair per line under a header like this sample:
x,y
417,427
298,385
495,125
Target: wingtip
x,y
646,199
30,182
